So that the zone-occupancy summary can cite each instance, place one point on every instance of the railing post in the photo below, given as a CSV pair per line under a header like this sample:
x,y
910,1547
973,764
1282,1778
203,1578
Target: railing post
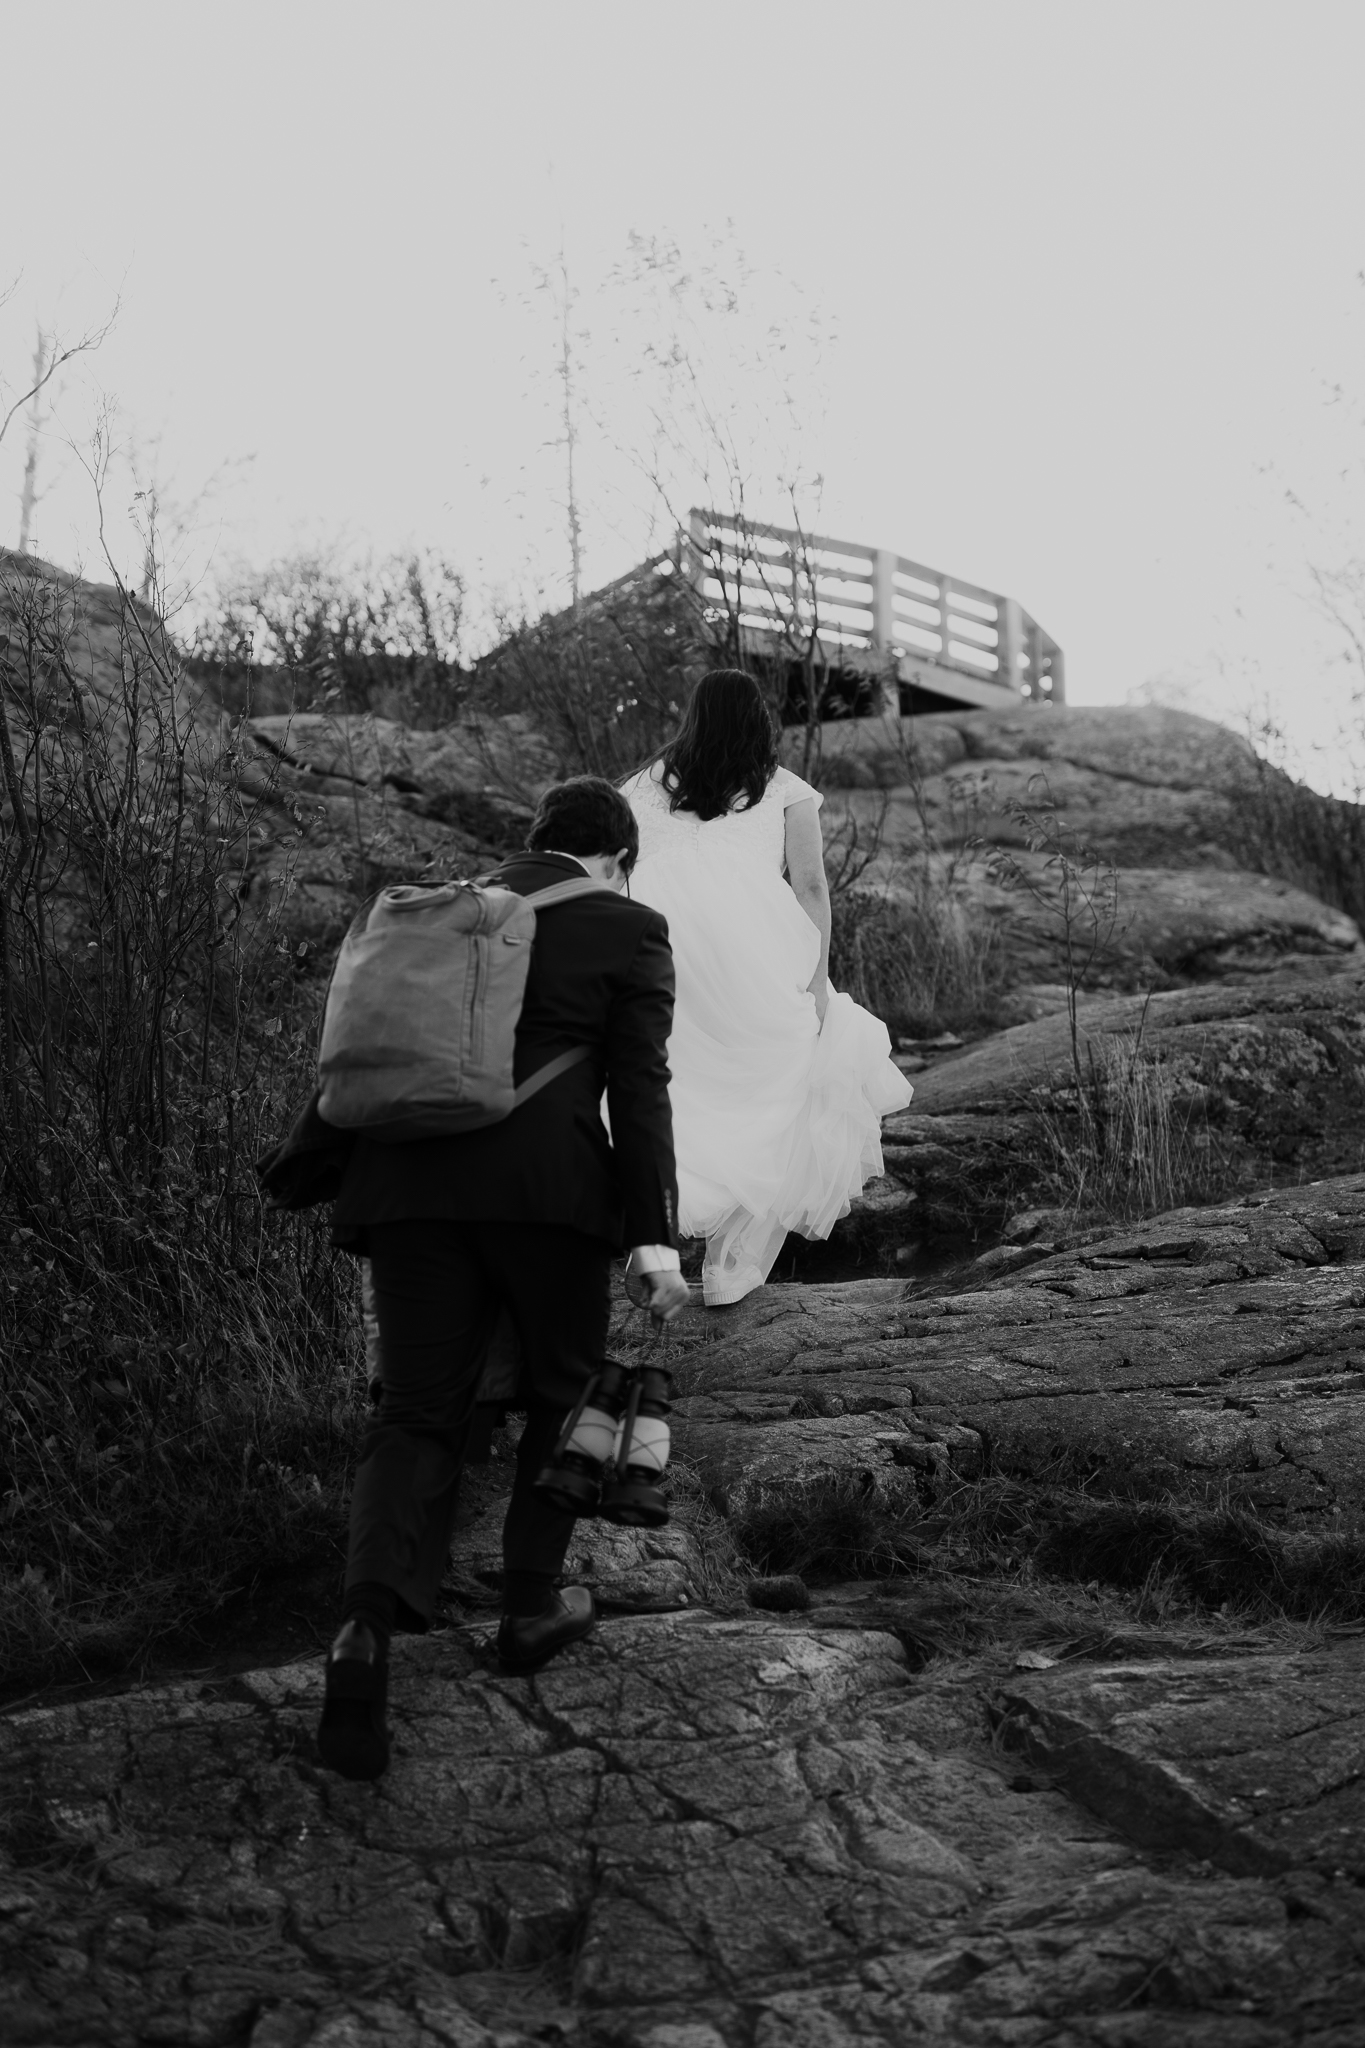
x,y
719,547
883,600
1009,626
945,591
699,539
884,628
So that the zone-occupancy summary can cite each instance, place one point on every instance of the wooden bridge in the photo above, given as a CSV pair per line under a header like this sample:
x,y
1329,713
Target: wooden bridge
x,y
914,638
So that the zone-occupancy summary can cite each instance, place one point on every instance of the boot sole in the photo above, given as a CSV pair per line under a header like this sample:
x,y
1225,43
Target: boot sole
x,y
519,1667
352,1750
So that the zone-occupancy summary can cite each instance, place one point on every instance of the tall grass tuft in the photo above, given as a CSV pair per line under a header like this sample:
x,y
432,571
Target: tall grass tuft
x,y
836,1526
1207,1556
1132,1140
916,955
1218,1555
178,1383
1285,828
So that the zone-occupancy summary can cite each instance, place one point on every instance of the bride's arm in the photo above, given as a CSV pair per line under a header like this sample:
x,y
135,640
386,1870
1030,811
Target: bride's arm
x,y
806,873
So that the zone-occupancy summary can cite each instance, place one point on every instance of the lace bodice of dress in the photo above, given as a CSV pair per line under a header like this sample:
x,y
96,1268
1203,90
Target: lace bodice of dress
x,y
753,835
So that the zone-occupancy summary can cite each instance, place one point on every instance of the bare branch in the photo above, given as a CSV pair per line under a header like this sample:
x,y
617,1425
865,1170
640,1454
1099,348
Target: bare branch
x,y
88,342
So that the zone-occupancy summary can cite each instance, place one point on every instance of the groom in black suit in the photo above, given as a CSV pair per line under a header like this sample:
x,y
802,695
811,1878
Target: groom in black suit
x,y
526,1214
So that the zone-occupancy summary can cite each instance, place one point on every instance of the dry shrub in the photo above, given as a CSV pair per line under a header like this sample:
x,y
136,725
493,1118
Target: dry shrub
x,y
177,1378
837,1526
917,955
308,630
1198,1555
605,685
1132,1140
1218,1555
1282,827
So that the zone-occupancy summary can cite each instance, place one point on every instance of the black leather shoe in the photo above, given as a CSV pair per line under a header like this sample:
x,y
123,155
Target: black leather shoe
x,y
353,1734
526,1641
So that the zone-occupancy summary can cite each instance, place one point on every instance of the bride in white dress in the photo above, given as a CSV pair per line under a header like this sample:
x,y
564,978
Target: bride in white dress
x,y
779,1082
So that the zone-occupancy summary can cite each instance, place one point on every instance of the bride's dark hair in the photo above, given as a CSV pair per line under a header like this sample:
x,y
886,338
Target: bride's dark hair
x,y
725,748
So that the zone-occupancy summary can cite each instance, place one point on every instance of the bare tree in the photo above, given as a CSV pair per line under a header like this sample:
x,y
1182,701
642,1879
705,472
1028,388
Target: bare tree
x,y
57,354
570,342
51,353
1340,596
28,496
724,417
566,379
1070,883
763,580
166,522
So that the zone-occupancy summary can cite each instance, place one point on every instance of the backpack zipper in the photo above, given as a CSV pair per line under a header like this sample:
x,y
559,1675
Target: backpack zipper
x,y
474,1032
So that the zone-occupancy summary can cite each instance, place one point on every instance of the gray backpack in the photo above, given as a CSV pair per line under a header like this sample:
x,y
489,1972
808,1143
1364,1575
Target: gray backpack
x,y
420,1023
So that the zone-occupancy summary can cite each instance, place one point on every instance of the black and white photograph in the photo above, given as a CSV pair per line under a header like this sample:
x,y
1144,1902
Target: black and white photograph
x,y
682,1024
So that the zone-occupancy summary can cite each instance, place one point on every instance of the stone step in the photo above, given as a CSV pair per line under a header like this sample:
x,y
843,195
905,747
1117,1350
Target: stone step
x,y
1219,1351
1256,1763
686,1833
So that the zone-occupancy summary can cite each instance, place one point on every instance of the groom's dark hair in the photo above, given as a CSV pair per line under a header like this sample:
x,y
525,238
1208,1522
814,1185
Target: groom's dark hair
x,y
586,816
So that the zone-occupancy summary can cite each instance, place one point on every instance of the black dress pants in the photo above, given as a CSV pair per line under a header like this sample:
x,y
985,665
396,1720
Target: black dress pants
x,y
438,1289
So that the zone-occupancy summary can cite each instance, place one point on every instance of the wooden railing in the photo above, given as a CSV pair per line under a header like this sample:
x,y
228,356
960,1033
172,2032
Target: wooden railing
x,y
848,603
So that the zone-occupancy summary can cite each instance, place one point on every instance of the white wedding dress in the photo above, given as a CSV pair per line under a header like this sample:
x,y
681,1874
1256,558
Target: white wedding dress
x,y
776,1121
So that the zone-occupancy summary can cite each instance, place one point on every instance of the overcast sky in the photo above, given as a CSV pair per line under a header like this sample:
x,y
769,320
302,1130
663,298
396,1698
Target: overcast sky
x,y
1086,277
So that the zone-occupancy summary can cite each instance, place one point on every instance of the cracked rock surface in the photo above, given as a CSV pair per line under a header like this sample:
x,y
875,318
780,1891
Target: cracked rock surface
x,y
1270,1070
770,1831
1218,1348
1259,1765
811,1829
649,1571
688,1832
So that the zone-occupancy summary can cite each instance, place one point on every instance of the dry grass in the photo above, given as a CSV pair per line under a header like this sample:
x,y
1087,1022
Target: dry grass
x,y
1284,828
721,1571
180,1409
1133,1140
1173,1560
916,956
832,1528
178,1373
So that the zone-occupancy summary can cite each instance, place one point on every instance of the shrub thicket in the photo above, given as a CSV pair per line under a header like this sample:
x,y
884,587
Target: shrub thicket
x,y
306,632
1284,828
177,1377
604,685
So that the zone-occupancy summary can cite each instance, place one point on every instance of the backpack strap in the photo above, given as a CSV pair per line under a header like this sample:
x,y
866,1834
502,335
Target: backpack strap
x,y
551,1071
565,892
545,899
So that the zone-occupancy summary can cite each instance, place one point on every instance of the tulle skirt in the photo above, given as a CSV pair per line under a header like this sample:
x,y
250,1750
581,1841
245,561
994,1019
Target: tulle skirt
x,y
776,1120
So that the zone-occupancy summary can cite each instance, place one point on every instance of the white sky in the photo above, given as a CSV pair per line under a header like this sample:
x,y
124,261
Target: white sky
x,y
1093,273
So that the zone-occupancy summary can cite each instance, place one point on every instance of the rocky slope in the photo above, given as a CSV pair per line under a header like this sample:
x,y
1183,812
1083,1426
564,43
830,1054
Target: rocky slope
x,y
1145,787
1264,1077
697,1833
1228,965
971,1804
1174,801
1255,1019
1211,884
1216,1351
736,1829
1211,879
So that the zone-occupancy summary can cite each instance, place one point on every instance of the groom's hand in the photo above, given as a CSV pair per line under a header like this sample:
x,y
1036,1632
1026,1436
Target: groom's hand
x,y
665,1295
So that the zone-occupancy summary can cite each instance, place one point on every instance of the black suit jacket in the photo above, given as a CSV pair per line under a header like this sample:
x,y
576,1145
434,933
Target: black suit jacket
x,y
601,975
